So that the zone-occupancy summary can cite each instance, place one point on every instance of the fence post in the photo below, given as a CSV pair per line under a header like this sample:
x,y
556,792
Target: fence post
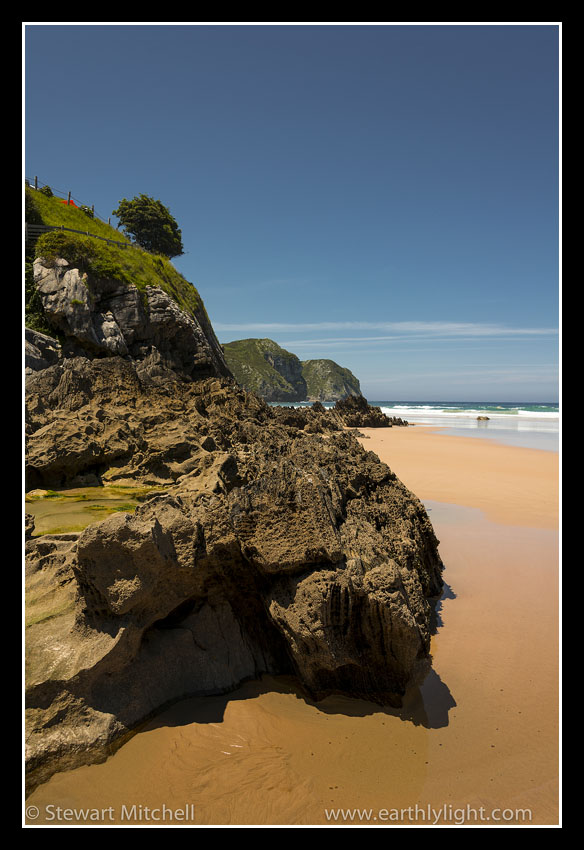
x,y
36,182
68,198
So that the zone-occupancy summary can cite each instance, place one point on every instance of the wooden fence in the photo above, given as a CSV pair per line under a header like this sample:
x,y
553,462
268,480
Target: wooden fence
x,y
33,231
35,183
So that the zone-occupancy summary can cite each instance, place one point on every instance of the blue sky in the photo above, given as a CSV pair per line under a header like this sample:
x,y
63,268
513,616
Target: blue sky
x,y
382,195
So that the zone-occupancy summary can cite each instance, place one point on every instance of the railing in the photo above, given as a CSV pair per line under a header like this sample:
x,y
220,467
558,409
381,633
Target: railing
x,y
35,183
33,231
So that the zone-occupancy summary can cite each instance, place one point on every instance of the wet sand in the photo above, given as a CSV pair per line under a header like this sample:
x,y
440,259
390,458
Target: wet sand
x,y
481,731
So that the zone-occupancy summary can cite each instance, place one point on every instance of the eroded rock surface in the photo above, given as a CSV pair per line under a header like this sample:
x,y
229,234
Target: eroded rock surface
x,y
281,546
357,413
352,412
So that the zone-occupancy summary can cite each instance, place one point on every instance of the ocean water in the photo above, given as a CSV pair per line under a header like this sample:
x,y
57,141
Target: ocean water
x,y
533,425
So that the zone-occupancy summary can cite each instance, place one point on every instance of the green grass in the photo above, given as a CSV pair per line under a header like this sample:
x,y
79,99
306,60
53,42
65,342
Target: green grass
x,y
131,265
56,212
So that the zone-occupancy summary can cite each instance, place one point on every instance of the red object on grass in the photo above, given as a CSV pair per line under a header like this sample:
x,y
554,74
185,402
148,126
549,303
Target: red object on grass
x,y
70,204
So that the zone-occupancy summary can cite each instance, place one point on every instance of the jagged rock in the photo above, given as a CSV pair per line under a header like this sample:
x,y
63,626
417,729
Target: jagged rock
x,y
40,350
312,419
275,550
352,412
100,317
355,412
28,526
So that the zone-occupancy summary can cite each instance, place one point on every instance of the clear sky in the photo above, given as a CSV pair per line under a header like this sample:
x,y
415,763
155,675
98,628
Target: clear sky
x,y
382,195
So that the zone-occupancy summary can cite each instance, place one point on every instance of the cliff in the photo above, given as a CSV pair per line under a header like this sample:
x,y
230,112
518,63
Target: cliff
x,y
263,367
327,381
106,317
274,544
101,299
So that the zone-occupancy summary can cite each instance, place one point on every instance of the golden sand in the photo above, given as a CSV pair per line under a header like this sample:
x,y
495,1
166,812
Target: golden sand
x,y
512,485
481,731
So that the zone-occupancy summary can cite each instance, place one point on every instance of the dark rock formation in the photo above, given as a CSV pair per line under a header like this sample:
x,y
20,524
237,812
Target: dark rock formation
x,y
276,549
357,413
40,350
352,412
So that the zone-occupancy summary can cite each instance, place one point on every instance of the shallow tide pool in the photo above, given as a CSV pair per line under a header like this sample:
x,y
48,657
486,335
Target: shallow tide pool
x,y
62,511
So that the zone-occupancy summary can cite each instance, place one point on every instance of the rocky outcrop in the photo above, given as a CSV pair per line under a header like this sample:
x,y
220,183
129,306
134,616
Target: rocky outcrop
x,y
327,381
40,350
275,549
353,412
101,317
288,366
357,413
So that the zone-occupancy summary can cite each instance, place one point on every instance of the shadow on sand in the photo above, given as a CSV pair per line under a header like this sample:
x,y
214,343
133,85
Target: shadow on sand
x,y
427,702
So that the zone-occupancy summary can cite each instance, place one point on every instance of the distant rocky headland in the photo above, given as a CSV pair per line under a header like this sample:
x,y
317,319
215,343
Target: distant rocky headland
x,y
263,367
268,540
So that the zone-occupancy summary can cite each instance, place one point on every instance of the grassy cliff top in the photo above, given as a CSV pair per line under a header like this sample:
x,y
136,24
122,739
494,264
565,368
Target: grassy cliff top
x,y
254,349
131,265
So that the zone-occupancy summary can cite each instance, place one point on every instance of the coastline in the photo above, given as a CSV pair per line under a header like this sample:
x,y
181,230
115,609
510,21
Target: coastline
x,y
480,731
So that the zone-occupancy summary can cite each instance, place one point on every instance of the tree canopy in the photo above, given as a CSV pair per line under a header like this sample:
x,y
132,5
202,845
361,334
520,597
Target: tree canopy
x,y
151,225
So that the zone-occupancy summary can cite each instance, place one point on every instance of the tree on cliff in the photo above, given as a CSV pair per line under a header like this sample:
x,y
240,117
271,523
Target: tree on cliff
x,y
150,223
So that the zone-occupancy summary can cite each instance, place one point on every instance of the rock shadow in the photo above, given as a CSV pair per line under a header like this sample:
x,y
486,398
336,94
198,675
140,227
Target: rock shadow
x,y
427,703
436,619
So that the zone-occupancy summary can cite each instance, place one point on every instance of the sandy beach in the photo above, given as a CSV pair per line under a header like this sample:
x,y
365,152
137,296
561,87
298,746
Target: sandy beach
x,y
513,486
477,740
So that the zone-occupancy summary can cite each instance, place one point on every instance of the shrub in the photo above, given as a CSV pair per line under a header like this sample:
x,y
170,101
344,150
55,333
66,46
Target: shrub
x,y
31,211
87,254
151,225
